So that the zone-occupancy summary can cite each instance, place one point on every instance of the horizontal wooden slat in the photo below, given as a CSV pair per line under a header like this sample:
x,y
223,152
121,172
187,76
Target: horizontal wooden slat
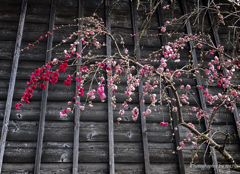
x,y
99,113
89,152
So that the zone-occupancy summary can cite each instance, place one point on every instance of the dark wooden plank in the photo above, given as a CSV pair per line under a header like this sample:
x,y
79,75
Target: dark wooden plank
x,y
163,41
199,82
44,94
98,113
59,168
110,108
218,42
12,81
98,132
97,152
77,109
133,5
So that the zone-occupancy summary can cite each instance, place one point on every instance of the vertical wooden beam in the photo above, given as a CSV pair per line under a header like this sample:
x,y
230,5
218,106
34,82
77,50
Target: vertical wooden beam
x,y
110,108
218,42
133,4
163,41
12,81
199,82
44,93
77,109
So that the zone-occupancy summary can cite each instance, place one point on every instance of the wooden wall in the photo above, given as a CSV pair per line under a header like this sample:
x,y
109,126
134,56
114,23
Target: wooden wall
x,y
133,152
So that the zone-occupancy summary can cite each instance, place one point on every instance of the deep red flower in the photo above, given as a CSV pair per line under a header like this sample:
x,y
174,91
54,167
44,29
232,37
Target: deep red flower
x,y
43,86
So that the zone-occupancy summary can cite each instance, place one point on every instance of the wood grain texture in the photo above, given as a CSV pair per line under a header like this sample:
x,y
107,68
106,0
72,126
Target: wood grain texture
x,y
12,81
44,94
98,131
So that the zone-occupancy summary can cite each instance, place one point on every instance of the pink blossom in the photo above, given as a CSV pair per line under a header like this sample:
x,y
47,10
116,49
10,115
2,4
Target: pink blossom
x,y
234,93
194,109
135,113
163,29
121,112
148,111
174,109
165,124
190,124
182,143
119,119
82,107
179,148
194,143
55,61
188,86
43,86
126,51
101,64
125,104
100,91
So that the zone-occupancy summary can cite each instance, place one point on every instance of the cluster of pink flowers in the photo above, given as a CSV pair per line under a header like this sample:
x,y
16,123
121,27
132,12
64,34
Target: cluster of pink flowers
x,y
68,81
135,72
63,113
165,124
201,113
135,113
62,67
100,91
80,86
91,94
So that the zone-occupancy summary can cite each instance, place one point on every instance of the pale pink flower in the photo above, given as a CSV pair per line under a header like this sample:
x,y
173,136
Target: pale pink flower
x,y
135,113
148,111
55,61
234,93
179,148
182,143
174,109
163,29
188,86
100,91
82,107
121,112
